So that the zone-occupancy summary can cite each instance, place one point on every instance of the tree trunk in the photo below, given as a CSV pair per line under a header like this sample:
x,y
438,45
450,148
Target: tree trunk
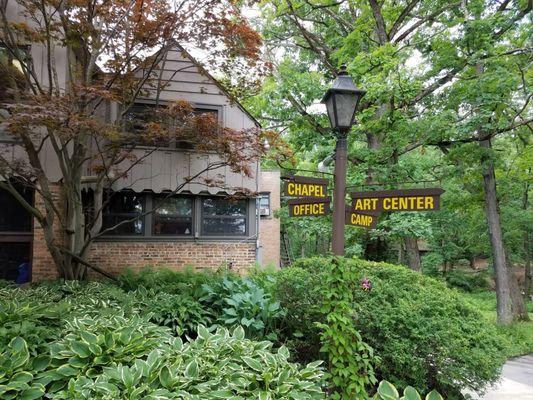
x,y
413,254
504,307
527,248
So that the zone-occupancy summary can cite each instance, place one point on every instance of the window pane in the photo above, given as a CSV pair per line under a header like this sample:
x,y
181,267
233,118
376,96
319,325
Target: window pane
x,y
264,201
174,206
13,217
172,225
223,206
174,217
128,228
124,202
224,226
124,206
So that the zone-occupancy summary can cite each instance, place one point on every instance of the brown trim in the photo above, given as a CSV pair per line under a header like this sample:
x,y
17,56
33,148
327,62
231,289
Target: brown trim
x,y
16,237
398,193
309,200
305,179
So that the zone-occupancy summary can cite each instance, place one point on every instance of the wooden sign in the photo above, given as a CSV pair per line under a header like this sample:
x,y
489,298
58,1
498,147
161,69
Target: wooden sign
x,y
366,219
309,207
359,219
303,186
397,200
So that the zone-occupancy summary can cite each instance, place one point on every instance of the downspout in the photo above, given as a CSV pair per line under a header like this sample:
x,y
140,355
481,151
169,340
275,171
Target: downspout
x,y
257,217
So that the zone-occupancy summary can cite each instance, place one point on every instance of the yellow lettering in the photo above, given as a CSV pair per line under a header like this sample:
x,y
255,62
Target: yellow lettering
x,y
429,203
386,204
419,203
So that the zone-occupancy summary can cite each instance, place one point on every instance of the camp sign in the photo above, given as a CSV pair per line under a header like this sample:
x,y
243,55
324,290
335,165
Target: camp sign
x,y
397,200
303,186
309,207
368,219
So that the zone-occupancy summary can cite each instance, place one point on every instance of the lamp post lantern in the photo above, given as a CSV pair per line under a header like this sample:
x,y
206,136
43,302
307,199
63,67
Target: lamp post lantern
x,y
341,102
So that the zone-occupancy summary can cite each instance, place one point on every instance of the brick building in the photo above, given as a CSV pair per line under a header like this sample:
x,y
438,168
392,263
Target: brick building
x,y
199,226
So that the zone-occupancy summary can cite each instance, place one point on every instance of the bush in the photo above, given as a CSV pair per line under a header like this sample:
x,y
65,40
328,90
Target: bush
x,y
426,335
299,293
241,301
468,281
181,313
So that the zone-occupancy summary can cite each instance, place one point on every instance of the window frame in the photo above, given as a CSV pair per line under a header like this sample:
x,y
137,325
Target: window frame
x,y
266,195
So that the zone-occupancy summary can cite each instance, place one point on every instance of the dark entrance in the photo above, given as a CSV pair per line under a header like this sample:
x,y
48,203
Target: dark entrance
x,y
15,236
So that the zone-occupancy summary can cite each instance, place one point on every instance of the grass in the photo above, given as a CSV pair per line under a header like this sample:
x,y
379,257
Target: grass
x,y
519,334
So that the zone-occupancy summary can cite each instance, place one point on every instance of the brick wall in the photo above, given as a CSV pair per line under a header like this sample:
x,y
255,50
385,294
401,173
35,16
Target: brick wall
x,y
42,265
115,256
269,227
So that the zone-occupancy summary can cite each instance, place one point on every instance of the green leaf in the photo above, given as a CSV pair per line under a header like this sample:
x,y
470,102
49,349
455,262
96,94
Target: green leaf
x,y
434,395
191,371
203,333
252,363
238,333
387,391
81,349
22,376
410,393
35,392
67,370
165,377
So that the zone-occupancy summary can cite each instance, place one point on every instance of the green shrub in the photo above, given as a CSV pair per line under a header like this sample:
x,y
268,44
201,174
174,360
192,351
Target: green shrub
x,y
425,334
241,301
299,293
468,281
181,313
214,366
185,281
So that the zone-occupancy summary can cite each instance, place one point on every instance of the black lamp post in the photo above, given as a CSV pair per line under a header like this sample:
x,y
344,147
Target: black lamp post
x,y
341,102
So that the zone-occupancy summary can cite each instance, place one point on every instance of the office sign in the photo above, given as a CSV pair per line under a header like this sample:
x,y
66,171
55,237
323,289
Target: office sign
x,y
304,186
309,207
397,200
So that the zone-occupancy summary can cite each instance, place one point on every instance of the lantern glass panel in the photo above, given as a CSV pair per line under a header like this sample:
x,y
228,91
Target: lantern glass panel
x,y
330,107
345,104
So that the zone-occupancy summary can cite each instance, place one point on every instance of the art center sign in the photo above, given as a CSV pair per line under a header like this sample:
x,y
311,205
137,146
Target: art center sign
x,y
397,200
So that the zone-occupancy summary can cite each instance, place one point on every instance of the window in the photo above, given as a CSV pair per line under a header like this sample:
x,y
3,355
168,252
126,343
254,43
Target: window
x,y
264,204
173,217
123,206
223,217
140,114
14,217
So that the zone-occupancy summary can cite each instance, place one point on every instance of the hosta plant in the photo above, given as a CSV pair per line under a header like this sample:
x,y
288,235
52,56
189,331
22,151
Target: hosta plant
x,y
90,344
387,391
17,372
220,365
